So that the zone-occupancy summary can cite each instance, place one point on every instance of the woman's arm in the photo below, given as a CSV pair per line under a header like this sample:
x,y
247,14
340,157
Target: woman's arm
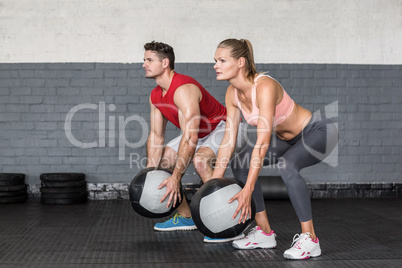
x,y
228,143
266,101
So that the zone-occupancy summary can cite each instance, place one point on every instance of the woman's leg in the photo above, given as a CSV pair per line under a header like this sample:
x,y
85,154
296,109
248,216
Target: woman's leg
x,y
261,236
318,139
240,165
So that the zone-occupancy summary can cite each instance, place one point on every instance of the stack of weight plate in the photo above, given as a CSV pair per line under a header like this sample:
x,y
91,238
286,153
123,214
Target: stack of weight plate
x,y
63,188
12,188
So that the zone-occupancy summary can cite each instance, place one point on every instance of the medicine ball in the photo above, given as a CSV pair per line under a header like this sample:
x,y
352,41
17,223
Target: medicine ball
x,y
211,212
145,196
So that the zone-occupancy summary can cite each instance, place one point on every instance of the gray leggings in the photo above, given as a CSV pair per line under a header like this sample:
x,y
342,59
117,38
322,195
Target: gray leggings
x,y
308,148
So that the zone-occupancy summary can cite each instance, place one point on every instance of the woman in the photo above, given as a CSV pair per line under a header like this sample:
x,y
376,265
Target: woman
x,y
287,135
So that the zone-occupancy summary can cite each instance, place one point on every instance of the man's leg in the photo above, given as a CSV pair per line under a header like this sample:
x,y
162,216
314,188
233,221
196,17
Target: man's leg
x,y
182,219
205,157
203,161
168,158
168,161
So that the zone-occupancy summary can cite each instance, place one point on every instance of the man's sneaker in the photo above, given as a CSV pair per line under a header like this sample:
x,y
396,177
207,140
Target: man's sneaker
x,y
256,238
303,247
177,223
222,240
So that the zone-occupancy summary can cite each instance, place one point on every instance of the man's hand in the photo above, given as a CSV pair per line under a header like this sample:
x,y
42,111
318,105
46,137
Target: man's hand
x,y
173,186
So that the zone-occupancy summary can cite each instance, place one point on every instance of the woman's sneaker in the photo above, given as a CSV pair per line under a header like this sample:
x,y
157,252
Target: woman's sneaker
x,y
303,247
256,238
177,223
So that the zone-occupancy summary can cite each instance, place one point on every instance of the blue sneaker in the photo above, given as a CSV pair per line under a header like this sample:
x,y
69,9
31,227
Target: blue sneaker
x,y
222,240
177,223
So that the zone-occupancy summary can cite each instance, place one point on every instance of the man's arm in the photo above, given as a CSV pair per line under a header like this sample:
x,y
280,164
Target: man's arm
x,y
187,99
156,137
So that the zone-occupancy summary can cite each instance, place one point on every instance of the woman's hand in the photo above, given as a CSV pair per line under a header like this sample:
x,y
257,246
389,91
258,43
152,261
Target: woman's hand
x,y
244,206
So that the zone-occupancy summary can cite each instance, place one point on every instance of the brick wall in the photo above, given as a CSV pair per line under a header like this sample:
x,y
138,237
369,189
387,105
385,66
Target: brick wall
x,y
36,98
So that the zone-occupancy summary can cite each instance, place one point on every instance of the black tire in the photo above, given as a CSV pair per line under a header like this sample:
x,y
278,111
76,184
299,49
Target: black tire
x,y
15,181
13,188
63,190
13,194
13,200
62,177
63,183
64,195
11,176
51,201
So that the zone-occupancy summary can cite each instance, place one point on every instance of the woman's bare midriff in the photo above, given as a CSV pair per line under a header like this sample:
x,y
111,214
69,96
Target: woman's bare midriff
x,y
294,124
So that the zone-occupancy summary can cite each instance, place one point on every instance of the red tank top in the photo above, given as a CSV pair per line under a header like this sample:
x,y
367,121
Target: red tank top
x,y
212,112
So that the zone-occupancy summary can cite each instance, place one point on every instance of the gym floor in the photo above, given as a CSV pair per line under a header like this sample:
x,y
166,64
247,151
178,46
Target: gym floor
x,y
352,232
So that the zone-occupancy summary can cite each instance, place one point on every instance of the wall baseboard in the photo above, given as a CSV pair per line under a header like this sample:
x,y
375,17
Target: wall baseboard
x,y
109,191
356,190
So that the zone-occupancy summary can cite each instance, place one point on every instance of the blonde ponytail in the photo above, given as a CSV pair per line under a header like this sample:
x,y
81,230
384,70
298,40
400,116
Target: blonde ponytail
x,y
242,48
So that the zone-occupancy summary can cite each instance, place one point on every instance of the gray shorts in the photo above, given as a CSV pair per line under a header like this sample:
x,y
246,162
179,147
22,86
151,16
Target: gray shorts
x,y
213,140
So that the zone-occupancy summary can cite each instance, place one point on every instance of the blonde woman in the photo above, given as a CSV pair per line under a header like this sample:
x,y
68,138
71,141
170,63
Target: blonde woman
x,y
287,134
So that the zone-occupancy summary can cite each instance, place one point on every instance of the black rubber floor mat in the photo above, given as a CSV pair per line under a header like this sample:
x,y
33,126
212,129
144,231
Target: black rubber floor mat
x,y
63,201
13,199
13,193
16,181
62,177
61,190
77,195
63,183
11,176
352,233
12,188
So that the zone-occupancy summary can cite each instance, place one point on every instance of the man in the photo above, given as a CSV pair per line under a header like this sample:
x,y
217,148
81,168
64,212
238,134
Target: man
x,y
181,100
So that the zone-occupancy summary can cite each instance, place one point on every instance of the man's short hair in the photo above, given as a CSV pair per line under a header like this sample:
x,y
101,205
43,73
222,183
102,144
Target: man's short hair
x,y
162,50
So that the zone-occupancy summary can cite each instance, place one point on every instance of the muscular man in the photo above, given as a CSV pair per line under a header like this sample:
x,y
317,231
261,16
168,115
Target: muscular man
x,y
183,101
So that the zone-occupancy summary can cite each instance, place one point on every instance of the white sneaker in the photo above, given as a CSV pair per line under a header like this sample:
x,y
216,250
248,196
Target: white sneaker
x,y
303,247
256,238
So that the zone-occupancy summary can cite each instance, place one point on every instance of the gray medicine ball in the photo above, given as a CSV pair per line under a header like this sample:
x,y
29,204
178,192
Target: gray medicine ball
x,y
145,196
211,212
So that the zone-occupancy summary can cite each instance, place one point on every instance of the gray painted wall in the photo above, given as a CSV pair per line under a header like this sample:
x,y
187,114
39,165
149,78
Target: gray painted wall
x,y
35,99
